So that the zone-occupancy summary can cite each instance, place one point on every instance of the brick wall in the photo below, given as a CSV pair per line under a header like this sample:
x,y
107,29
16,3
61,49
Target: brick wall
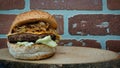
x,y
87,23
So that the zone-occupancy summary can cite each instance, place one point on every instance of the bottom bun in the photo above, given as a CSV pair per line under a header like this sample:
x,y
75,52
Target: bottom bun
x,y
34,52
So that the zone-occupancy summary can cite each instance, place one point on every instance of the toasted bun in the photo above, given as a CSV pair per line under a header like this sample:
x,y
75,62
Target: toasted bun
x,y
32,16
34,52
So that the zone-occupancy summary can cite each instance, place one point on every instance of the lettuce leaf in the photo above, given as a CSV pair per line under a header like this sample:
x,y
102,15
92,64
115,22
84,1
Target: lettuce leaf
x,y
47,41
24,43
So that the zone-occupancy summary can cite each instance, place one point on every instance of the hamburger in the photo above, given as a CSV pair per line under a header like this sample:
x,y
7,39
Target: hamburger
x,y
33,35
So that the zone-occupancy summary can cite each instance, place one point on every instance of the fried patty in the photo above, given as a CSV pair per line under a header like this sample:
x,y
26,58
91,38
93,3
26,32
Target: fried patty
x,y
28,37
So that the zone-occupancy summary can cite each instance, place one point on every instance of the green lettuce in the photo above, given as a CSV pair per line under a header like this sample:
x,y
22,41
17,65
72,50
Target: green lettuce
x,y
47,41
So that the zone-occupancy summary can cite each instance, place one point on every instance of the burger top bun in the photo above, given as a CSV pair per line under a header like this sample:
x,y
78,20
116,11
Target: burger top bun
x,y
32,16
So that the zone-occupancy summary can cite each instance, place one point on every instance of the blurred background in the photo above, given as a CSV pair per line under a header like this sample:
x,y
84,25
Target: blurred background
x,y
86,23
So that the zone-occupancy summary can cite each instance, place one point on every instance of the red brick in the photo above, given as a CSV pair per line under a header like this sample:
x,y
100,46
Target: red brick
x,y
11,4
60,21
5,23
82,43
84,4
88,24
114,27
3,43
113,4
66,4
70,42
91,43
49,4
113,45
96,24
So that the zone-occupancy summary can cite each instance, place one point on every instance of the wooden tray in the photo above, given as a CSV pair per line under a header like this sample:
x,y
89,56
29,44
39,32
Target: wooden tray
x,y
66,55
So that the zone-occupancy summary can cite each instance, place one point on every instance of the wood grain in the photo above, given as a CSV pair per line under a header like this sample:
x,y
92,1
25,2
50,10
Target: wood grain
x,y
65,57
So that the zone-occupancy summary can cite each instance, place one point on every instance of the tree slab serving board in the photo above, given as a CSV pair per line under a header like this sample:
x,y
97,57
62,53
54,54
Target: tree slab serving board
x,y
66,57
